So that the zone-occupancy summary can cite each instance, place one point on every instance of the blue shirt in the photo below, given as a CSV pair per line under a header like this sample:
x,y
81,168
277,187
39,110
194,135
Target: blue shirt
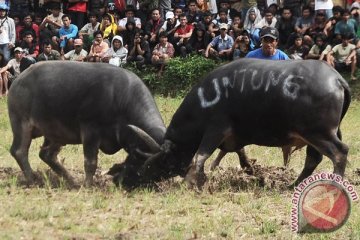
x,y
257,53
222,43
70,32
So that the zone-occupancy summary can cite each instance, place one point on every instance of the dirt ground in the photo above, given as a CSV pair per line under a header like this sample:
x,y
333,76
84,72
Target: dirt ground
x,y
233,179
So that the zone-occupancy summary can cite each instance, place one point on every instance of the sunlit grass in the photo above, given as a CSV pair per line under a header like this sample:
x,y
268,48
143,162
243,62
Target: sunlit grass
x,y
175,213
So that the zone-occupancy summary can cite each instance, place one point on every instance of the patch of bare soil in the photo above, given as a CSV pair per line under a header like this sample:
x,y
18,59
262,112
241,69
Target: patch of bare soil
x,y
235,179
353,177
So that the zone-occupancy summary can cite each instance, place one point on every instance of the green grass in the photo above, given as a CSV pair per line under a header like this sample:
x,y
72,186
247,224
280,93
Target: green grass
x,y
173,213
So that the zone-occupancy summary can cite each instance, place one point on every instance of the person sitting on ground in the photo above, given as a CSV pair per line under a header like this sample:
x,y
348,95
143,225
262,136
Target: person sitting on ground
x,y
242,45
298,50
236,27
86,33
140,52
303,25
29,46
48,53
345,25
67,34
269,41
27,25
116,55
129,13
162,53
14,65
4,85
129,34
170,26
78,54
214,27
220,48
108,27
199,40
51,24
341,58
98,48
269,20
152,27
182,34
320,49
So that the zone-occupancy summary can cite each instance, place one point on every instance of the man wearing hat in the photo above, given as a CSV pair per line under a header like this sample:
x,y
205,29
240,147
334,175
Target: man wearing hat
x,y
12,64
221,46
78,54
269,41
7,32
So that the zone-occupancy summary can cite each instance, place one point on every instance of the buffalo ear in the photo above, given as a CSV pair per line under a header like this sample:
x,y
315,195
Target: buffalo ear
x,y
149,141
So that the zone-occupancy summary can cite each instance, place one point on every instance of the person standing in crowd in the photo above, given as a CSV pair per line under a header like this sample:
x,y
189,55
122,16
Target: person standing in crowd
x,y
268,50
76,9
7,32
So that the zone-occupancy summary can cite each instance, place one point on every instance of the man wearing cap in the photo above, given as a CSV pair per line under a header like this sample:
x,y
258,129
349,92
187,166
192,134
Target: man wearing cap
x,y
221,46
12,64
78,54
129,13
7,32
170,25
268,50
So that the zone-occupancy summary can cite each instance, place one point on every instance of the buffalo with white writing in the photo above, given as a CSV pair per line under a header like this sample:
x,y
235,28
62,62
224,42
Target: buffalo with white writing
x,y
262,102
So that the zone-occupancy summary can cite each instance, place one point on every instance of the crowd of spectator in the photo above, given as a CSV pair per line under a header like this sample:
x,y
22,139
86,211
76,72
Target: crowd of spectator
x,y
152,32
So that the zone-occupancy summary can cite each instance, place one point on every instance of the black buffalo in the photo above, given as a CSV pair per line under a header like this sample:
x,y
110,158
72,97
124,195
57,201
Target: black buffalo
x,y
251,101
80,103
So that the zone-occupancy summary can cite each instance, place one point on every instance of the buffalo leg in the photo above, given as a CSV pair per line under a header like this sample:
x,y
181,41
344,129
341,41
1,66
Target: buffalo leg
x,y
91,144
313,158
48,154
20,148
217,160
286,150
243,158
330,146
210,141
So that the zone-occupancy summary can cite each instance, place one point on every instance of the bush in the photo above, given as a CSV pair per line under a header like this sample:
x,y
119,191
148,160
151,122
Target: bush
x,y
180,75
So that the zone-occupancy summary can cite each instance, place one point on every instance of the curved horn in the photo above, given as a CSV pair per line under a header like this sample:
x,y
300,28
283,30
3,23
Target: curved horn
x,y
150,142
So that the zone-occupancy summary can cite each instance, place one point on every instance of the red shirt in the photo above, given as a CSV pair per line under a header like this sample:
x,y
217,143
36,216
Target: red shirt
x,y
187,29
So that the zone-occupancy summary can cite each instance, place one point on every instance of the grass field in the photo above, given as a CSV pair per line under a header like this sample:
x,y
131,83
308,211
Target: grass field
x,y
173,212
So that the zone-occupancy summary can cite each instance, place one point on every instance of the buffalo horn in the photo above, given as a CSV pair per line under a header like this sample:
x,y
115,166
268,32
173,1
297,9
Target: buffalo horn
x,y
150,142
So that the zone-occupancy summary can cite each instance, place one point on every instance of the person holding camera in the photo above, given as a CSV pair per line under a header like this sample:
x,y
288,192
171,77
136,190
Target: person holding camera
x,y
140,53
242,45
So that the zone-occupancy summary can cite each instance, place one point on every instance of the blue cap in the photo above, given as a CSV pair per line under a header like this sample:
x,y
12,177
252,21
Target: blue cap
x,y
4,6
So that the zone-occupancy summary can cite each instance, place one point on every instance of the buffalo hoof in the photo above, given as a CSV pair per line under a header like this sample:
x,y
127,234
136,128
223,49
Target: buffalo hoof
x,y
249,170
195,180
